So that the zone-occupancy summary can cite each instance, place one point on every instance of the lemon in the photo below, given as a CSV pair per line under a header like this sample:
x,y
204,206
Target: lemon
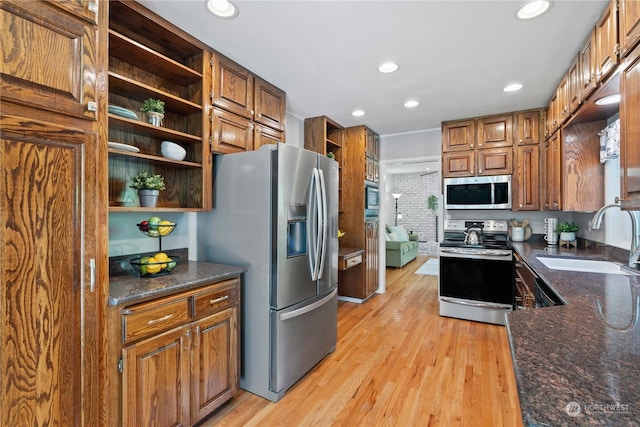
x,y
165,227
163,258
152,267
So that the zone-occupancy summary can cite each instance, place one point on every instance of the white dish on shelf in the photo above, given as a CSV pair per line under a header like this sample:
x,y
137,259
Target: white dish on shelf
x,y
123,147
122,112
172,151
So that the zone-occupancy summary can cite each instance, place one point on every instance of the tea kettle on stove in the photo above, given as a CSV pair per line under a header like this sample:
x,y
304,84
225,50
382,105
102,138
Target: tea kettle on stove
x,y
473,235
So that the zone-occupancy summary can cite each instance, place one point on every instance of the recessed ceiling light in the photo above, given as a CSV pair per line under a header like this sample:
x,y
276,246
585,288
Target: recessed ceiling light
x,y
222,8
357,113
512,87
532,9
388,67
608,100
411,103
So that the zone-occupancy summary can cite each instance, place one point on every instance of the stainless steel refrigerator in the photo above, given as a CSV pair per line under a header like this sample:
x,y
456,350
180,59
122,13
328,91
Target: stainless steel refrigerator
x,y
275,210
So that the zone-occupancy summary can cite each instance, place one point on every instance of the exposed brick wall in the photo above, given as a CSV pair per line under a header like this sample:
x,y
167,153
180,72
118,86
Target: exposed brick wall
x,y
416,215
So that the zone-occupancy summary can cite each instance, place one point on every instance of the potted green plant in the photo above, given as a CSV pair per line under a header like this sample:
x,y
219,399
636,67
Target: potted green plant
x,y
154,109
567,231
149,187
432,204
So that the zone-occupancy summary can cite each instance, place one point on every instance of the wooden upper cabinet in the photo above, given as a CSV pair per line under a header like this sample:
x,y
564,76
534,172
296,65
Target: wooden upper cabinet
x,y
495,161
563,99
573,86
526,185
588,67
230,133
552,123
86,9
528,127
270,104
48,57
630,130
458,163
458,135
629,25
232,87
607,41
263,135
495,131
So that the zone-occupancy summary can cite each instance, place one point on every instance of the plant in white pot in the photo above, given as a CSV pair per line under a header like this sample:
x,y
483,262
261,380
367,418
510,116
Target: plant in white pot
x,y
567,231
154,109
149,187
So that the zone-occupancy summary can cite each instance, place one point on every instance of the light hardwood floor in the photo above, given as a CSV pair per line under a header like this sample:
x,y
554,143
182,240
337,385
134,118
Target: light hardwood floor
x,y
397,363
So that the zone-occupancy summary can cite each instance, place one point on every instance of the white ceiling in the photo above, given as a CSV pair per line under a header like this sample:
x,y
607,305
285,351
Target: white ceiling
x,y
455,56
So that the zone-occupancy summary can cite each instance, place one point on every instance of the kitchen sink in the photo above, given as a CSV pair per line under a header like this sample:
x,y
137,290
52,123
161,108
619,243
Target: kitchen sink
x,y
584,265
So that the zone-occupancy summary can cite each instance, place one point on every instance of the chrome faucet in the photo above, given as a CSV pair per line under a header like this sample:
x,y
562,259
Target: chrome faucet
x,y
634,251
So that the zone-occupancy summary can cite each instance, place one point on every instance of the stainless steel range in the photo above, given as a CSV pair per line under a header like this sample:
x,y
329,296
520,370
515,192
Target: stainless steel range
x,y
476,270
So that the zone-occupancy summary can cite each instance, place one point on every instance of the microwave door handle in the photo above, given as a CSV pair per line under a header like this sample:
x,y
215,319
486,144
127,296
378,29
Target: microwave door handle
x,y
493,193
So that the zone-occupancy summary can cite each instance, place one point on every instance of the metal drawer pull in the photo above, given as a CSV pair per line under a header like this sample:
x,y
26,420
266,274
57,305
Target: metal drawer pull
x,y
213,301
162,319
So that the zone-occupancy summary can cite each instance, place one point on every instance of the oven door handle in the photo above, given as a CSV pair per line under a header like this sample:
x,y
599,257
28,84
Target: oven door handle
x,y
473,304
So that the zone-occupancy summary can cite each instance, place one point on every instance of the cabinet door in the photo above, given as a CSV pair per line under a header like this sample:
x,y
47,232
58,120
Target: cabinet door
x,y
270,104
263,135
155,381
607,41
495,161
369,172
573,94
458,163
232,87
563,99
552,115
553,195
48,58
230,133
372,257
215,358
588,67
459,135
528,127
49,337
526,188
495,131
629,25
630,130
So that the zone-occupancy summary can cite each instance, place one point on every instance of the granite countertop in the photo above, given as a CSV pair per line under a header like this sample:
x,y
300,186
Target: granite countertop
x,y
130,287
572,366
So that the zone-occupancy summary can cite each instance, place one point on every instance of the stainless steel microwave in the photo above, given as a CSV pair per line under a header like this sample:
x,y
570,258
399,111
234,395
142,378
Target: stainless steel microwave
x,y
478,192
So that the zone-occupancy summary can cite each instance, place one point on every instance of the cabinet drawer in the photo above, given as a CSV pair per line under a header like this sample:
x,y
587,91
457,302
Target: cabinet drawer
x,y
214,299
350,262
150,318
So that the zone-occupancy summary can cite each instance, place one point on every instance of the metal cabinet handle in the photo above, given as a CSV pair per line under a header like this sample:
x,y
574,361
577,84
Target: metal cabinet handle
x,y
161,319
216,300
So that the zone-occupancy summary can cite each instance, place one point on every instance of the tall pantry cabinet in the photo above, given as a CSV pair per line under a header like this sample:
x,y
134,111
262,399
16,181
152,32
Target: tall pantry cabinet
x,y
360,166
53,211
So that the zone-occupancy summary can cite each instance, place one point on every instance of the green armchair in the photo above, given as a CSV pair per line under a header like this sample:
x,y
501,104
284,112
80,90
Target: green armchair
x,y
400,252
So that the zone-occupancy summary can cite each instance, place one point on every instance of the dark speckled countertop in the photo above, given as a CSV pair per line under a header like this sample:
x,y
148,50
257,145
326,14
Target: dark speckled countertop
x,y
130,287
572,368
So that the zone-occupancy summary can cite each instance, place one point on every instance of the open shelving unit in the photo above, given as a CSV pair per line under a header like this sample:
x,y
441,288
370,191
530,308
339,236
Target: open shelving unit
x,y
150,58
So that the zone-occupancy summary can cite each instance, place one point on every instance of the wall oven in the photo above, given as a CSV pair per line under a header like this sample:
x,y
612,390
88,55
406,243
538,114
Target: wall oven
x,y
476,280
478,192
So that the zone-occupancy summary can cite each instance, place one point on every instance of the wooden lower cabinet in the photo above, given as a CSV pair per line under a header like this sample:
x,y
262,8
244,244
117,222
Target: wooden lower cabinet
x,y
180,358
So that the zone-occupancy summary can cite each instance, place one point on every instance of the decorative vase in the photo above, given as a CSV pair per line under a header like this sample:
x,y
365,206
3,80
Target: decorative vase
x,y
568,236
155,118
148,198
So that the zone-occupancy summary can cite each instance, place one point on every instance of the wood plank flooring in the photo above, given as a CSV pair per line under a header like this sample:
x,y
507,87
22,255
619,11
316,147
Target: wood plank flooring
x,y
397,363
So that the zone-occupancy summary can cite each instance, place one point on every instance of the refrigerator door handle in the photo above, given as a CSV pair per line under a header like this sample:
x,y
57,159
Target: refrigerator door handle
x,y
314,228
322,211
310,307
